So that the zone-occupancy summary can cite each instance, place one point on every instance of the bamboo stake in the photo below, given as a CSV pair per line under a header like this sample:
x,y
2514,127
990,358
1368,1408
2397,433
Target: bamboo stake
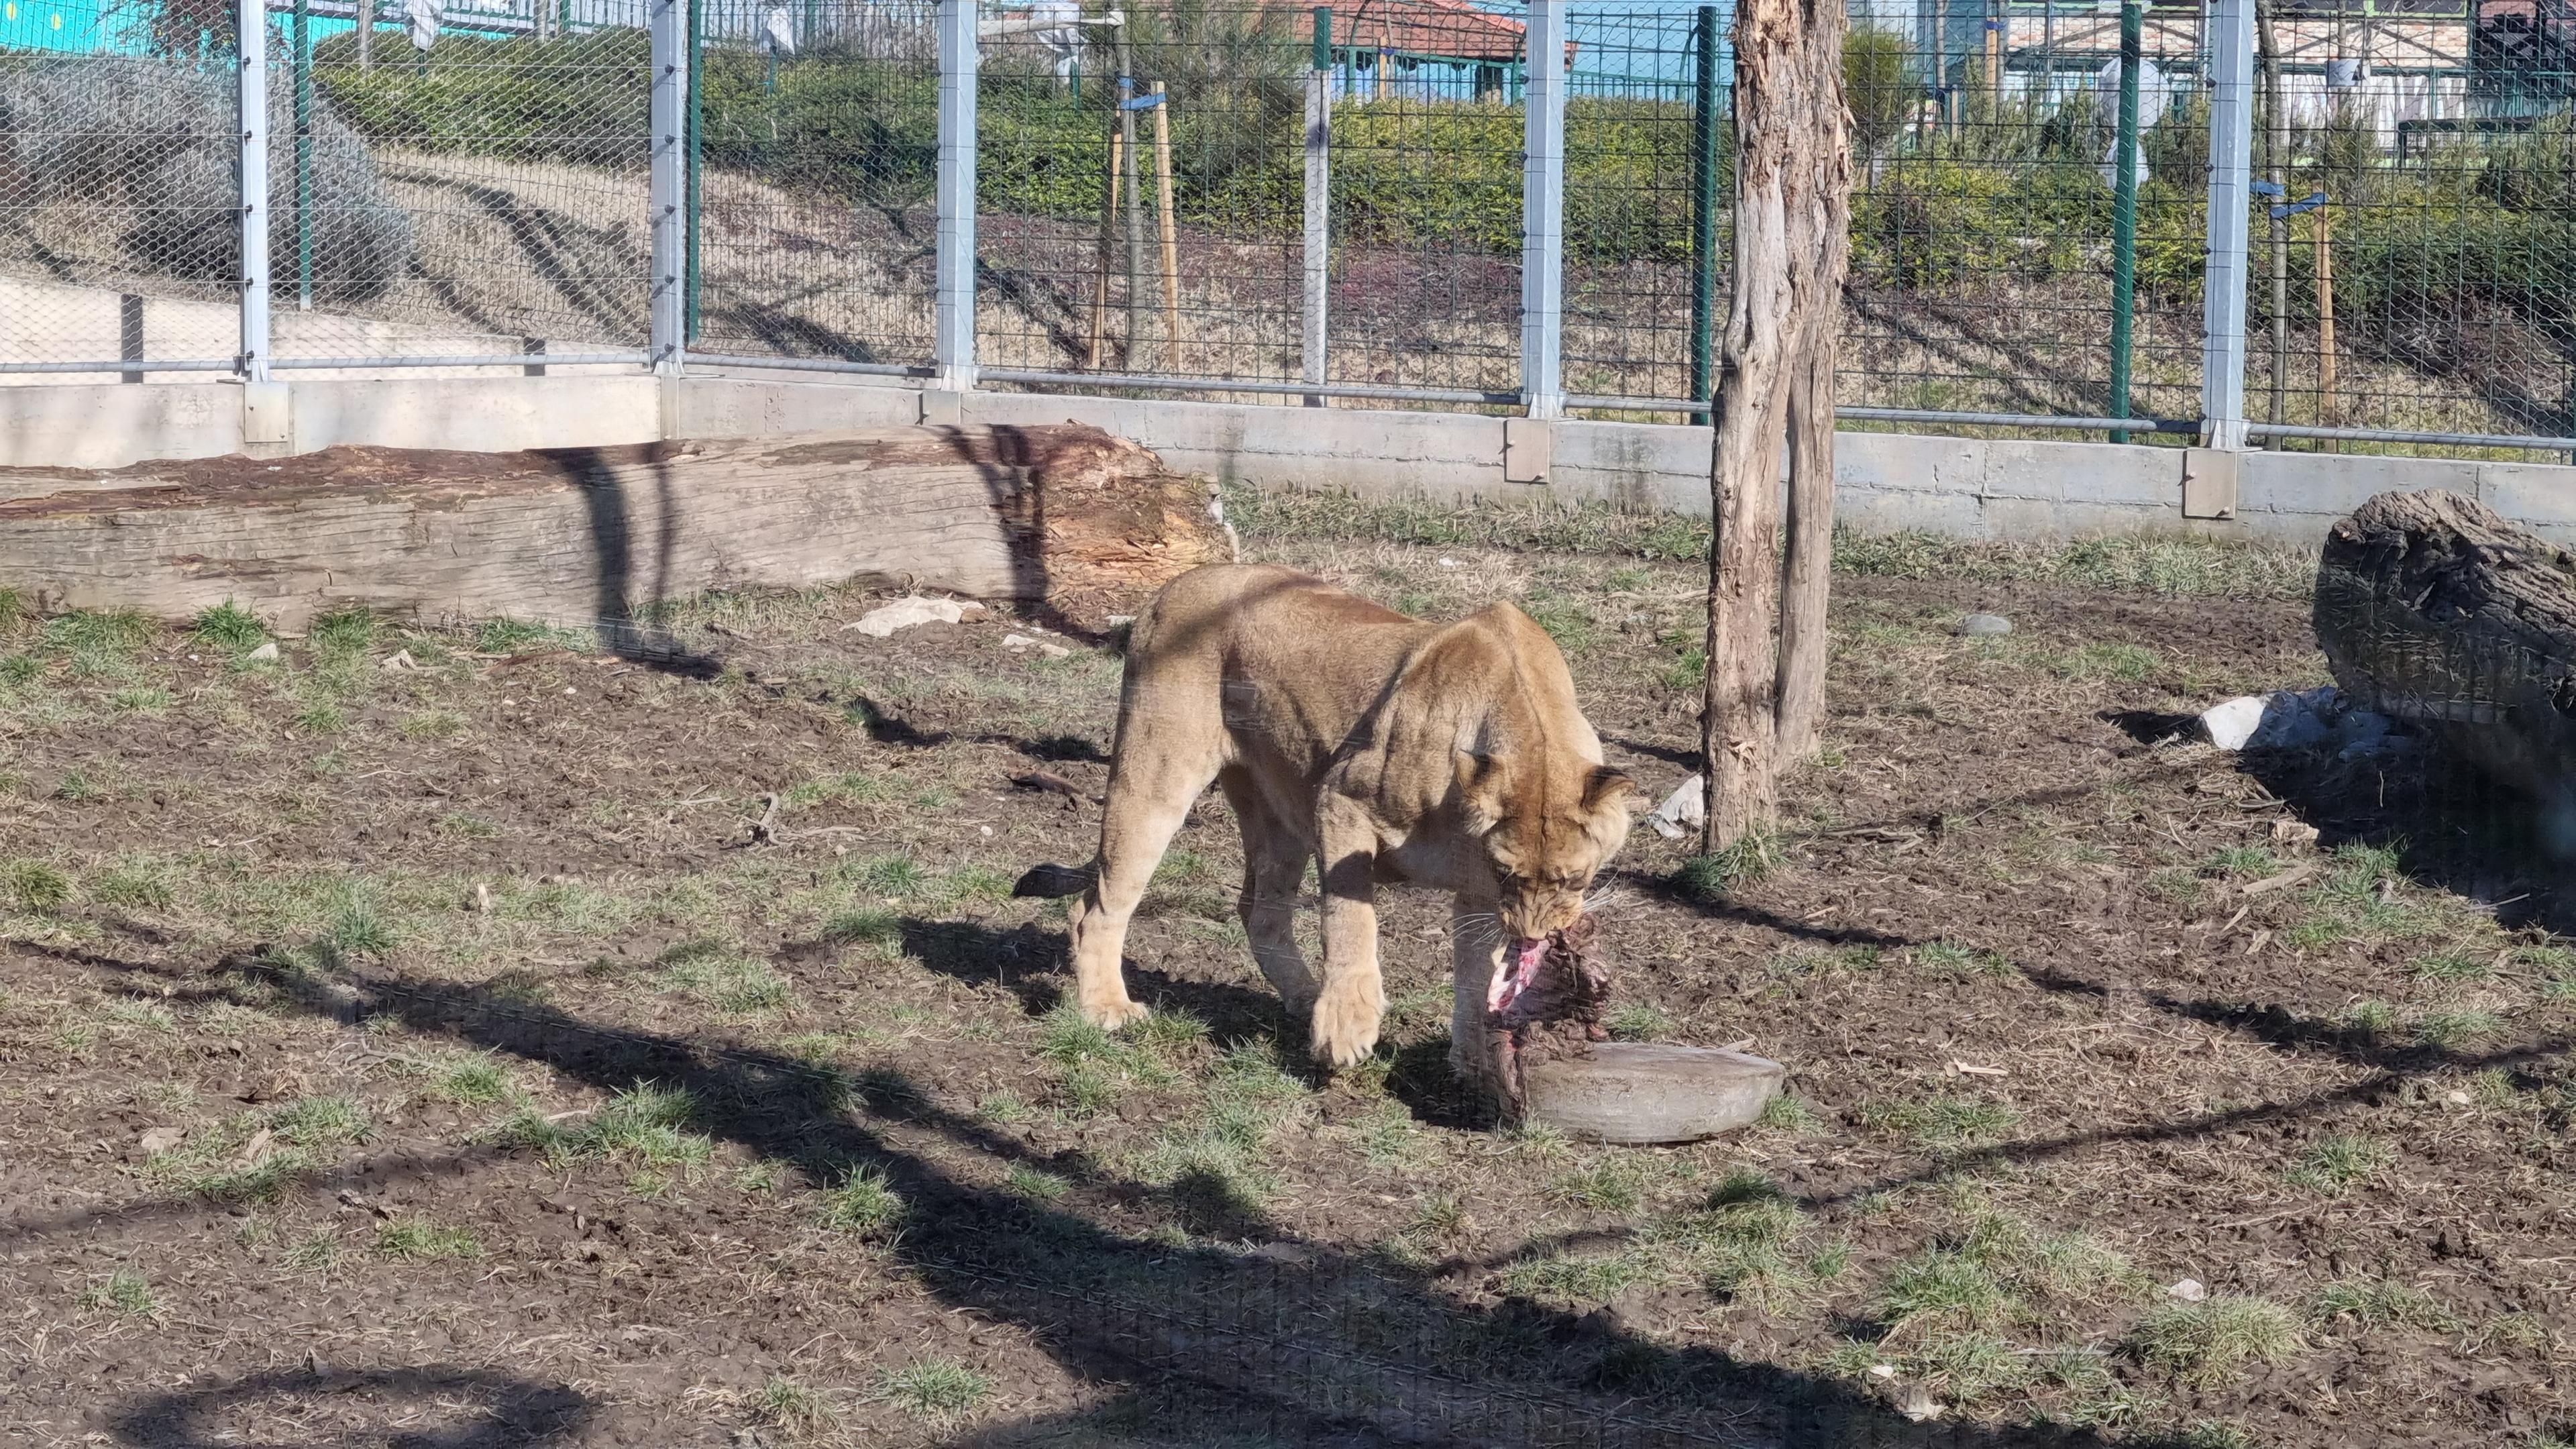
x,y
1170,229
2329,412
1108,233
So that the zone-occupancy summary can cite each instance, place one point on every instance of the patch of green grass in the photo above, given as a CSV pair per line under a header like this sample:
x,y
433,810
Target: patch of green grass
x,y
2369,1016
1963,963
329,1121
1951,1287
123,1291
865,927
862,1203
2208,1342
36,887
343,632
1035,1184
1640,1021
359,929
2100,661
465,824
896,876
1172,1033
1441,1216
142,699
1941,1121
1687,674
426,1242
138,882
229,627
1785,1113
2450,966
709,972
1566,619
1747,862
2335,1165
19,669
314,1252
433,724
521,636
2382,1303
1738,1243
1607,1186
98,634
473,1081
1004,1108
646,1124
1575,1278
1968,1367
793,1408
2242,860
937,1389
2452,1030
321,716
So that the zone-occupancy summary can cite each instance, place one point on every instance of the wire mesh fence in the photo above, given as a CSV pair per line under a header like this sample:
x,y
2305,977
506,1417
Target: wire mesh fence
x,y
815,129
2412,260
459,192
118,234
1269,193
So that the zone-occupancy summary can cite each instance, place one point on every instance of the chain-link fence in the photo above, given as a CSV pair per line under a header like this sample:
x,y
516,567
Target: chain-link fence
x,y
1265,194
2413,259
119,240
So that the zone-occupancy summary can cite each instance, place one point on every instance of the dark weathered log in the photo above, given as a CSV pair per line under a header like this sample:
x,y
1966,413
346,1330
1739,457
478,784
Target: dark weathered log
x,y
2433,610
1066,514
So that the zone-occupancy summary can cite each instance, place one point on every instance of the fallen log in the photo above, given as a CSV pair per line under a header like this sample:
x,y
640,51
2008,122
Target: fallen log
x,y
2434,610
1068,515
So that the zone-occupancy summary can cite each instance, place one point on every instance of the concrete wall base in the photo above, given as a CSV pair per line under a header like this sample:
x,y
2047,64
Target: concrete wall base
x,y
1965,487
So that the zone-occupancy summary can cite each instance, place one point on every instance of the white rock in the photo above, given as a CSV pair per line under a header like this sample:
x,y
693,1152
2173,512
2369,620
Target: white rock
x,y
399,662
1916,1403
1018,641
1682,810
162,1139
2284,720
1876,1370
2456,1097
2189,1290
903,613
1054,651
1448,563
1985,626
2231,724
264,654
1121,621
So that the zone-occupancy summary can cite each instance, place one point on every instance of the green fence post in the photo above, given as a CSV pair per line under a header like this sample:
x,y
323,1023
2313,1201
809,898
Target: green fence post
x,y
2124,211
697,90
303,156
1704,188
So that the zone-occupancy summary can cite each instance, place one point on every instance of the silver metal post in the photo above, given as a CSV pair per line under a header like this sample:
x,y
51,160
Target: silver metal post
x,y
1543,210
670,19
251,73
1317,297
2231,157
953,327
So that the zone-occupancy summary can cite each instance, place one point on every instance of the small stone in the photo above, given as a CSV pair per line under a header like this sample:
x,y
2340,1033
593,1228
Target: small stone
x,y
162,1139
2293,833
1121,621
1882,1370
906,612
1916,1403
2456,1097
399,662
2231,724
1985,626
987,829
1054,651
1017,642
2189,1290
568,689
264,654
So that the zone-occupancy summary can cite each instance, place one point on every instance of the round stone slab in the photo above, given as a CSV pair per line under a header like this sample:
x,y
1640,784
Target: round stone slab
x,y
1645,1092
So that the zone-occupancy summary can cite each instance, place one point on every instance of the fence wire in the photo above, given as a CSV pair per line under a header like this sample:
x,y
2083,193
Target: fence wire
x,y
816,126
2418,279
482,194
119,240
479,187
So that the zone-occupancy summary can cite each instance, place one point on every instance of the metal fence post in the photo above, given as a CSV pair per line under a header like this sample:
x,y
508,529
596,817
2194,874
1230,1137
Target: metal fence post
x,y
1317,296
251,77
2124,211
670,84
2231,155
1706,138
953,327
1543,210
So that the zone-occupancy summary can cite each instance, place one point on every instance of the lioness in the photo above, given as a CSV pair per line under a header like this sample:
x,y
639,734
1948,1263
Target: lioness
x,y
1445,755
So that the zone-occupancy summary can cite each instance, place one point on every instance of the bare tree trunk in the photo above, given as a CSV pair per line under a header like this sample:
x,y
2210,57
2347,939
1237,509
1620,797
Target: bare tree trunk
x,y
1775,389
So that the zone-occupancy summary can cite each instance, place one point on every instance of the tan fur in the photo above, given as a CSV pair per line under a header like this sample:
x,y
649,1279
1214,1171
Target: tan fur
x,y
1443,755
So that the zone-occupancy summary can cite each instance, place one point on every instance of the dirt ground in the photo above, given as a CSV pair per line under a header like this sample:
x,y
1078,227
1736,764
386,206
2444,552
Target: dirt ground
x,y
411,1041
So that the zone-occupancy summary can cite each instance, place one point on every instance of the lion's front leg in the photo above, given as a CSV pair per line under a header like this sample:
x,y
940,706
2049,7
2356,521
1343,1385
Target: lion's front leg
x,y
1475,953
1353,997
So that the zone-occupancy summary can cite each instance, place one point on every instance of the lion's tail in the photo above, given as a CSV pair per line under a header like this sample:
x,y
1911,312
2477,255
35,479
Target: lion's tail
x,y
1050,881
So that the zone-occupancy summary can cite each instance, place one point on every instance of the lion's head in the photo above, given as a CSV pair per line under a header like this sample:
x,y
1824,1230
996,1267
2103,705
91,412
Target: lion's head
x,y
1546,827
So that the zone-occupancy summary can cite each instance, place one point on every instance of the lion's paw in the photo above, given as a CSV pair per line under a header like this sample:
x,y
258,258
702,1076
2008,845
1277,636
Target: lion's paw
x,y
1345,1026
1112,1015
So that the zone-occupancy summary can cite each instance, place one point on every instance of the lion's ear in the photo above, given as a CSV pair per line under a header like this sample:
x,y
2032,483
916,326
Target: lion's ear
x,y
1608,788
